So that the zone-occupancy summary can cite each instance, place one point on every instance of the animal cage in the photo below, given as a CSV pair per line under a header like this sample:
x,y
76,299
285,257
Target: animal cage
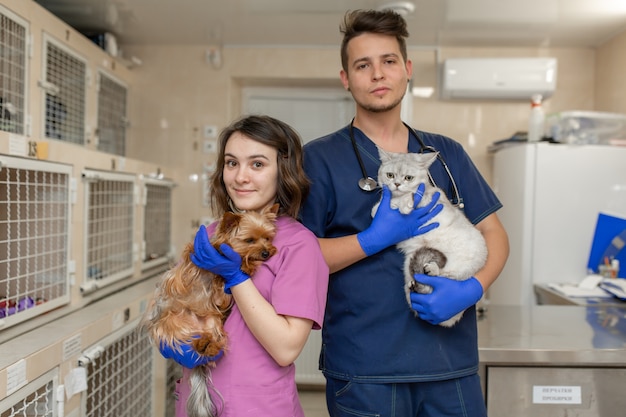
x,y
173,373
13,43
65,87
120,375
112,120
36,399
157,202
35,204
109,222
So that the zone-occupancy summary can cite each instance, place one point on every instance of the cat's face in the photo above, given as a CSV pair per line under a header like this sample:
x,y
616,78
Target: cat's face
x,y
403,172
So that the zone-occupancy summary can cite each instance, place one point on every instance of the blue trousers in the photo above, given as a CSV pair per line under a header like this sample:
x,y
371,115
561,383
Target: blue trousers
x,y
461,397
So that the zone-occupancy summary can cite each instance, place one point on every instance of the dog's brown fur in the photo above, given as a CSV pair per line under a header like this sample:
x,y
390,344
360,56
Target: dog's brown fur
x,y
190,303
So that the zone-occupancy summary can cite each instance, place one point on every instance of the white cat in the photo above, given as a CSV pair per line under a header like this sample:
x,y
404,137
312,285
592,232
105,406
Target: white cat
x,y
455,249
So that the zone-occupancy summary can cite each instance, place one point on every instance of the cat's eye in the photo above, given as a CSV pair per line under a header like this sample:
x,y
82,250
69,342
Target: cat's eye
x,y
391,175
408,178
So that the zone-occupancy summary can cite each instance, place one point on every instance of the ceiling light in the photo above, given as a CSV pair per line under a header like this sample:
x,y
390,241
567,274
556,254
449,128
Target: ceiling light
x,y
403,8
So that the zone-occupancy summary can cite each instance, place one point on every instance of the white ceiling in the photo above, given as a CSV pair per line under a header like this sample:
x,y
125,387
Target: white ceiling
x,y
316,22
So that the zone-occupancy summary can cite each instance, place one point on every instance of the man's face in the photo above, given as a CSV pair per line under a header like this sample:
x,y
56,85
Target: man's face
x,y
377,75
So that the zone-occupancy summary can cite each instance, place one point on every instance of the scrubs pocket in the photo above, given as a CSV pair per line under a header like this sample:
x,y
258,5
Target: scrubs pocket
x,y
348,399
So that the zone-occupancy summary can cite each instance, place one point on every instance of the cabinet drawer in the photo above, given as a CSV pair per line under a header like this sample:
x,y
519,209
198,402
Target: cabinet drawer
x,y
555,392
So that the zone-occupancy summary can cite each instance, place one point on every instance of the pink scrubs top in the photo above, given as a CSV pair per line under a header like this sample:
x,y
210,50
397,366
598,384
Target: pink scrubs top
x,y
295,282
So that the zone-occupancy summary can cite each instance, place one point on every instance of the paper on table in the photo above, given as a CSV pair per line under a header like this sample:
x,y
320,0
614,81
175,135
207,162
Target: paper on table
x,y
616,287
572,290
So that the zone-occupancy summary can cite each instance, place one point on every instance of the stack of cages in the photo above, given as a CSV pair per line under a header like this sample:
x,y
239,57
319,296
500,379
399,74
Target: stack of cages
x,y
125,217
35,200
110,224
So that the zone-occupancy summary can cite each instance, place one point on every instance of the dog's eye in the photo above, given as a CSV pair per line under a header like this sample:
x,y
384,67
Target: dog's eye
x,y
249,240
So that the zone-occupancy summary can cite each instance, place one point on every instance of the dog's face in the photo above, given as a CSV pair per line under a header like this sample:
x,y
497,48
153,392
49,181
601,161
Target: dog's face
x,y
250,234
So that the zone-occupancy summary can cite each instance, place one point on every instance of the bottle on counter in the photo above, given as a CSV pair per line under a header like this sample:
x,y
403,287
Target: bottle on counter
x,y
536,120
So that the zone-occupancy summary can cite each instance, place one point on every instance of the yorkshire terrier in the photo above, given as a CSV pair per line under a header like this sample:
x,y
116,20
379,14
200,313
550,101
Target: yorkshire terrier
x,y
190,304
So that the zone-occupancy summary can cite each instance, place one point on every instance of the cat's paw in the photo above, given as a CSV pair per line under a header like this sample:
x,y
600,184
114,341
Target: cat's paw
x,y
452,321
375,209
418,287
431,268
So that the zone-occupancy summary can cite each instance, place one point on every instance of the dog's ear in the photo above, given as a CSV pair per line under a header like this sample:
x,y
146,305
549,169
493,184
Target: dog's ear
x,y
229,221
272,210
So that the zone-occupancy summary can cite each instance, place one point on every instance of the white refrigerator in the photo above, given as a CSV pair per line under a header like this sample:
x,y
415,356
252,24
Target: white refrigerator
x,y
552,195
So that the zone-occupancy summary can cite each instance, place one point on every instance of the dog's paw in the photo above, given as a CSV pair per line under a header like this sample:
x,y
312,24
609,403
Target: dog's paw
x,y
209,345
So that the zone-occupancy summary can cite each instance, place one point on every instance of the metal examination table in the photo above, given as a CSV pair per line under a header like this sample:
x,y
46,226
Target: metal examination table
x,y
554,361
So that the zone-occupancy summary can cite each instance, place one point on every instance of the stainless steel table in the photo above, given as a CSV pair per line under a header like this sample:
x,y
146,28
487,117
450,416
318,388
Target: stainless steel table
x,y
546,295
553,361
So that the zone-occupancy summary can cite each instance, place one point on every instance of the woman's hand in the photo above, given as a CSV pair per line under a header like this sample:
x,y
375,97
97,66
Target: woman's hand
x,y
186,356
226,264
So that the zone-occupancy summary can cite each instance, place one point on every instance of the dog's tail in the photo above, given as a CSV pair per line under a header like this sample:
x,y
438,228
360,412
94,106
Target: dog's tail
x,y
200,403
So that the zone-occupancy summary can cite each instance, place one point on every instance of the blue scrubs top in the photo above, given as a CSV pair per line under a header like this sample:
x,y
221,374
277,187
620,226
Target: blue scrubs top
x,y
370,334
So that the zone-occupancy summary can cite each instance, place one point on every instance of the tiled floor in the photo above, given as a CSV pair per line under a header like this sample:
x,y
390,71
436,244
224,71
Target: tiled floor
x,y
314,403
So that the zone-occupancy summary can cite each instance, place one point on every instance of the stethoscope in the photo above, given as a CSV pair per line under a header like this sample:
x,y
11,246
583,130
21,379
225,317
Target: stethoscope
x,y
367,183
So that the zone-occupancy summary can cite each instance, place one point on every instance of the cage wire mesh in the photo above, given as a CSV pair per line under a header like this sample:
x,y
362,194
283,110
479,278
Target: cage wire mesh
x,y
109,228
34,221
120,379
65,104
157,224
174,373
111,116
37,399
12,72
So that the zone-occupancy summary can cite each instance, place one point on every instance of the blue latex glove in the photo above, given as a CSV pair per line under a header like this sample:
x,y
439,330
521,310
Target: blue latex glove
x,y
389,226
187,356
448,298
226,264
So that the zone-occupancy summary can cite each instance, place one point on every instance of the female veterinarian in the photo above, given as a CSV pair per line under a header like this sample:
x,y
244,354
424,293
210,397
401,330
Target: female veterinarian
x,y
259,164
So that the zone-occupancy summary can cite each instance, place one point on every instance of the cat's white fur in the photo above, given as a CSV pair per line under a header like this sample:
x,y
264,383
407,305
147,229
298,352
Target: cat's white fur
x,y
456,237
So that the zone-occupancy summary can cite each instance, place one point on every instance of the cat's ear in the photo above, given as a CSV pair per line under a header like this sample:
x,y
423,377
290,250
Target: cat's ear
x,y
430,158
384,156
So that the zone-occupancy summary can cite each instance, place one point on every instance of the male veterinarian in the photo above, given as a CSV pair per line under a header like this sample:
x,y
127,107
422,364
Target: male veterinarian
x,y
379,359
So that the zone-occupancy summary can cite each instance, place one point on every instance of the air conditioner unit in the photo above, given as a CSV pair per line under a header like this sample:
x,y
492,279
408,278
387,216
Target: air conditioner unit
x,y
498,78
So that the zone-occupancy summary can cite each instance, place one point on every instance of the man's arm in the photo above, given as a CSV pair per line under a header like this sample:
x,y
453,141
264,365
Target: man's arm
x,y
341,252
388,227
497,242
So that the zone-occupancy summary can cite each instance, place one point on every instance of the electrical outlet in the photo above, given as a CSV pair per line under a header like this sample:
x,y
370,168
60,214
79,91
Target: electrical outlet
x,y
210,132
209,146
